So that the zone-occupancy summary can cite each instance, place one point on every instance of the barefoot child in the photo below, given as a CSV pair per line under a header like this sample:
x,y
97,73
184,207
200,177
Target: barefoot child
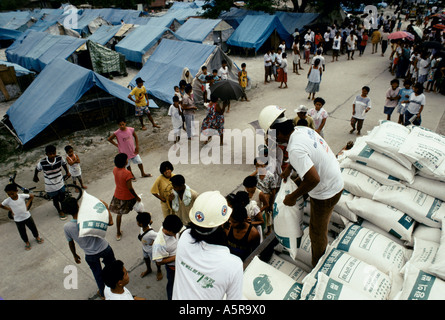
x,y
243,80
175,112
282,74
19,204
74,166
361,106
392,98
147,236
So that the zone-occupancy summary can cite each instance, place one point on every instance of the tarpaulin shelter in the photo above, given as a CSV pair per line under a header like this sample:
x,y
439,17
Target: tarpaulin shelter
x,y
142,41
53,100
207,31
104,34
9,34
254,31
163,69
36,49
296,20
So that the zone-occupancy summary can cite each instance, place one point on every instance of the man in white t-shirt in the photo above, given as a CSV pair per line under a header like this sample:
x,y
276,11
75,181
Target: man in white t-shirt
x,y
205,268
223,72
316,165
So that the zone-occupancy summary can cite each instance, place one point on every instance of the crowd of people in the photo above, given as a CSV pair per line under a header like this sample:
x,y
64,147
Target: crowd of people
x,y
234,225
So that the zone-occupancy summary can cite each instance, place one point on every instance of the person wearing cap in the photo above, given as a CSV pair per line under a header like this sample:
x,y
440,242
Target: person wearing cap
x,y
303,118
141,101
205,268
316,165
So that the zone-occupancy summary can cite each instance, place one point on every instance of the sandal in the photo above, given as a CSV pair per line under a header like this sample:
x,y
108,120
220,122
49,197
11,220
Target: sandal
x,y
28,247
119,237
39,240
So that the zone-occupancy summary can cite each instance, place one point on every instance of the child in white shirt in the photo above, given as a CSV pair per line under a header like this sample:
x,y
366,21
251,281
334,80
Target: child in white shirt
x,y
18,205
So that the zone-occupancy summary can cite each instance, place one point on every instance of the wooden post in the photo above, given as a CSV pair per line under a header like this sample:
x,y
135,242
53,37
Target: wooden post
x,y
3,89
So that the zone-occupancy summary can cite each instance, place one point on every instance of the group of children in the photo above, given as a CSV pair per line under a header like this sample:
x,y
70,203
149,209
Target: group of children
x,y
276,65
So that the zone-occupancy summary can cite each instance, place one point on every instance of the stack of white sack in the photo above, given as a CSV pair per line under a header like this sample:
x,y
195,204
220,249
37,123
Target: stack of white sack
x,y
408,164
424,273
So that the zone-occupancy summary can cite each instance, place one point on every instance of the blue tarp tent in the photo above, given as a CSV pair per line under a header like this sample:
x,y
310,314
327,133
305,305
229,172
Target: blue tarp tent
x,y
9,34
36,49
197,30
53,93
163,69
138,43
104,34
255,30
295,20
235,16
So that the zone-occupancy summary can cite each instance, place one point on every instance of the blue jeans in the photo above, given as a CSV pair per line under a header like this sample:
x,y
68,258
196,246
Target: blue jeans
x,y
93,261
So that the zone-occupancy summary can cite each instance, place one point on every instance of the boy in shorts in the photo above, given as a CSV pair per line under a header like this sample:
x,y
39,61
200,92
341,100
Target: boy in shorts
x,y
141,96
361,106
128,143
74,166
52,166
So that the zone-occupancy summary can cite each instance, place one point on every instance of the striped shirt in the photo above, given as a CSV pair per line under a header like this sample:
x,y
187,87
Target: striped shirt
x,y
52,173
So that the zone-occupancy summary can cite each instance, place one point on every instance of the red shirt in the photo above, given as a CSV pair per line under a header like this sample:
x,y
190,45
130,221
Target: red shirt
x,y
121,176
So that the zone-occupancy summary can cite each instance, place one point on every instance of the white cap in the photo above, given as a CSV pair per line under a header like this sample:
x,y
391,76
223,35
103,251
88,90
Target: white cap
x,y
210,210
301,108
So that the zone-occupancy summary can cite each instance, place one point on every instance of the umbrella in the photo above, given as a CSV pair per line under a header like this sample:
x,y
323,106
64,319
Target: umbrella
x,y
227,90
418,31
432,44
401,35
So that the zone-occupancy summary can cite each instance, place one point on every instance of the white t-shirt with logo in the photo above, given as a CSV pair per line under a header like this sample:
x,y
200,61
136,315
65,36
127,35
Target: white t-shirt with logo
x,y
307,149
117,296
361,104
206,271
18,207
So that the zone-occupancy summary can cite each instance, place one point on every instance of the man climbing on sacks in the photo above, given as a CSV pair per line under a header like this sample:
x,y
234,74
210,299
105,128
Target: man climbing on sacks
x,y
316,165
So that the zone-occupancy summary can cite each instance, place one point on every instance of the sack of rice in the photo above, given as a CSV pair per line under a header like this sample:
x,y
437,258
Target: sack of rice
x,y
261,281
387,139
343,209
390,219
371,226
424,253
288,220
93,217
373,248
426,150
420,206
438,266
359,184
424,232
421,285
434,188
361,152
380,176
344,268
330,289
288,268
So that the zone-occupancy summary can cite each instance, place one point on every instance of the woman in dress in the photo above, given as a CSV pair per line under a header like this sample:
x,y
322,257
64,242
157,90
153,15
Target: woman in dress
x,y
213,123
314,78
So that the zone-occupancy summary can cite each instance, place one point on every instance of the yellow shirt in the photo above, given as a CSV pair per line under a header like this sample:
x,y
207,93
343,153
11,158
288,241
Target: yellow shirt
x,y
163,187
139,95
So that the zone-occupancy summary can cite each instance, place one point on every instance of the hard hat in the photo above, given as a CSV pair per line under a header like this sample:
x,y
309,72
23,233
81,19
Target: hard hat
x,y
210,210
268,116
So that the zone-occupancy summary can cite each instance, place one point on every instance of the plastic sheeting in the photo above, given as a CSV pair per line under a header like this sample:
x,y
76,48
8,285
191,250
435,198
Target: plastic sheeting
x,y
19,70
136,44
197,30
52,93
36,49
104,34
255,30
163,70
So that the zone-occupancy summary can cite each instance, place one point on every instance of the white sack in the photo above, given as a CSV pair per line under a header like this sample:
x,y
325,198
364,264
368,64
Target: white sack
x,y
93,217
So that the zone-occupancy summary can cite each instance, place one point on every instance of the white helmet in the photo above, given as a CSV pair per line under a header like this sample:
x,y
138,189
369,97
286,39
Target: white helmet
x,y
268,116
210,210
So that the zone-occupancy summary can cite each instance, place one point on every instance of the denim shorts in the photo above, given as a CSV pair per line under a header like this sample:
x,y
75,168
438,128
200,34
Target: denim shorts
x,y
54,194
